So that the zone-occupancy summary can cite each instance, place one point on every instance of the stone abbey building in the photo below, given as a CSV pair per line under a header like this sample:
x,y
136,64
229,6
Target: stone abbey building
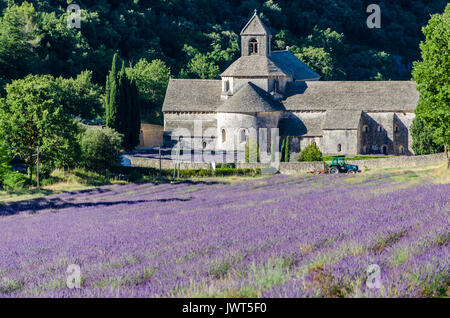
x,y
274,89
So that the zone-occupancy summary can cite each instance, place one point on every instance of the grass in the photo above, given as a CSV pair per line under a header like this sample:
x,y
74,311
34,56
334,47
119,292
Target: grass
x,y
80,179
59,181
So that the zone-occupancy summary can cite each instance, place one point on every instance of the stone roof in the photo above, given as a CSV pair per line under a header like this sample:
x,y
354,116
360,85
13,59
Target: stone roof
x,y
191,95
253,65
307,125
291,65
250,99
337,119
374,96
255,26
280,63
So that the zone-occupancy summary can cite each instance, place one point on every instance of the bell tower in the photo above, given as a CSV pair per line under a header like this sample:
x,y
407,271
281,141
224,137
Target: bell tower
x,y
255,38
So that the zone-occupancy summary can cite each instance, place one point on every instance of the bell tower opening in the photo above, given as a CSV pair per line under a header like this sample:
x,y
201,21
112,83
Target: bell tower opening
x,y
253,46
255,37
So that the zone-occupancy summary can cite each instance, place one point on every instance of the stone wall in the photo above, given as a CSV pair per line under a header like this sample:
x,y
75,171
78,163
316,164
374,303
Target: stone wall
x,y
346,138
286,167
400,162
296,167
166,164
151,135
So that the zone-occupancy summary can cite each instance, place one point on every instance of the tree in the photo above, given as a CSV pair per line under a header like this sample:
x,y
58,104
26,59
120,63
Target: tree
x,y
310,153
151,79
80,96
100,148
287,151
19,39
122,105
111,98
432,76
200,65
32,116
5,158
422,140
318,60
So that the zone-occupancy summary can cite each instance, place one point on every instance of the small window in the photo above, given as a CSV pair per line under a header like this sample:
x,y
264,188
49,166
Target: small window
x,y
276,86
366,128
396,129
226,87
380,128
253,46
339,148
365,150
224,135
384,149
243,135
204,145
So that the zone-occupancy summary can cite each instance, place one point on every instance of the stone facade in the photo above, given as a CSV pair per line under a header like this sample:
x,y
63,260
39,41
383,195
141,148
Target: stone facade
x,y
267,89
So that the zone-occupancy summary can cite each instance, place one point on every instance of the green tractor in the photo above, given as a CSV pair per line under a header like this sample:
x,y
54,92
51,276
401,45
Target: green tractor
x,y
338,165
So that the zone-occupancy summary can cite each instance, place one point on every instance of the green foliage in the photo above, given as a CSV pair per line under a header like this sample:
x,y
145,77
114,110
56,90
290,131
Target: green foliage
x,y
32,116
122,104
151,79
5,158
432,76
287,151
19,38
14,181
310,153
422,137
100,148
252,151
80,96
34,38
200,65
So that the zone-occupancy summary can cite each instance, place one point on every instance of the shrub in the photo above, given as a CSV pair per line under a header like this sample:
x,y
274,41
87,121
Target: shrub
x,y
101,148
135,176
14,181
310,153
251,151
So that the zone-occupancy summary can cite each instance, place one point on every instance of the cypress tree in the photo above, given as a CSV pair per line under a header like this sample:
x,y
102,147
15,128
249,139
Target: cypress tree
x,y
135,122
111,102
122,105
287,152
283,145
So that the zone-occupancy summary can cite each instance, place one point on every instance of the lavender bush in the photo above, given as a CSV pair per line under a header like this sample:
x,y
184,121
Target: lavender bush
x,y
267,237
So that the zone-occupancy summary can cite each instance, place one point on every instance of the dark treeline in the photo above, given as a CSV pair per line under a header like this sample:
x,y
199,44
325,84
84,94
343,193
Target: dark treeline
x,y
200,38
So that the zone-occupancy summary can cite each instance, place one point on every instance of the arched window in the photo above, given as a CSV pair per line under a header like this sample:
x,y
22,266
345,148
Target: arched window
x,y
224,135
384,149
339,148
204,145
396,129
253,46
380,128
243,136
366,128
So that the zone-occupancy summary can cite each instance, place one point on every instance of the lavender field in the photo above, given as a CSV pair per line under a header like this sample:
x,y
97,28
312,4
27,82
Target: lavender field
x,y
310,236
